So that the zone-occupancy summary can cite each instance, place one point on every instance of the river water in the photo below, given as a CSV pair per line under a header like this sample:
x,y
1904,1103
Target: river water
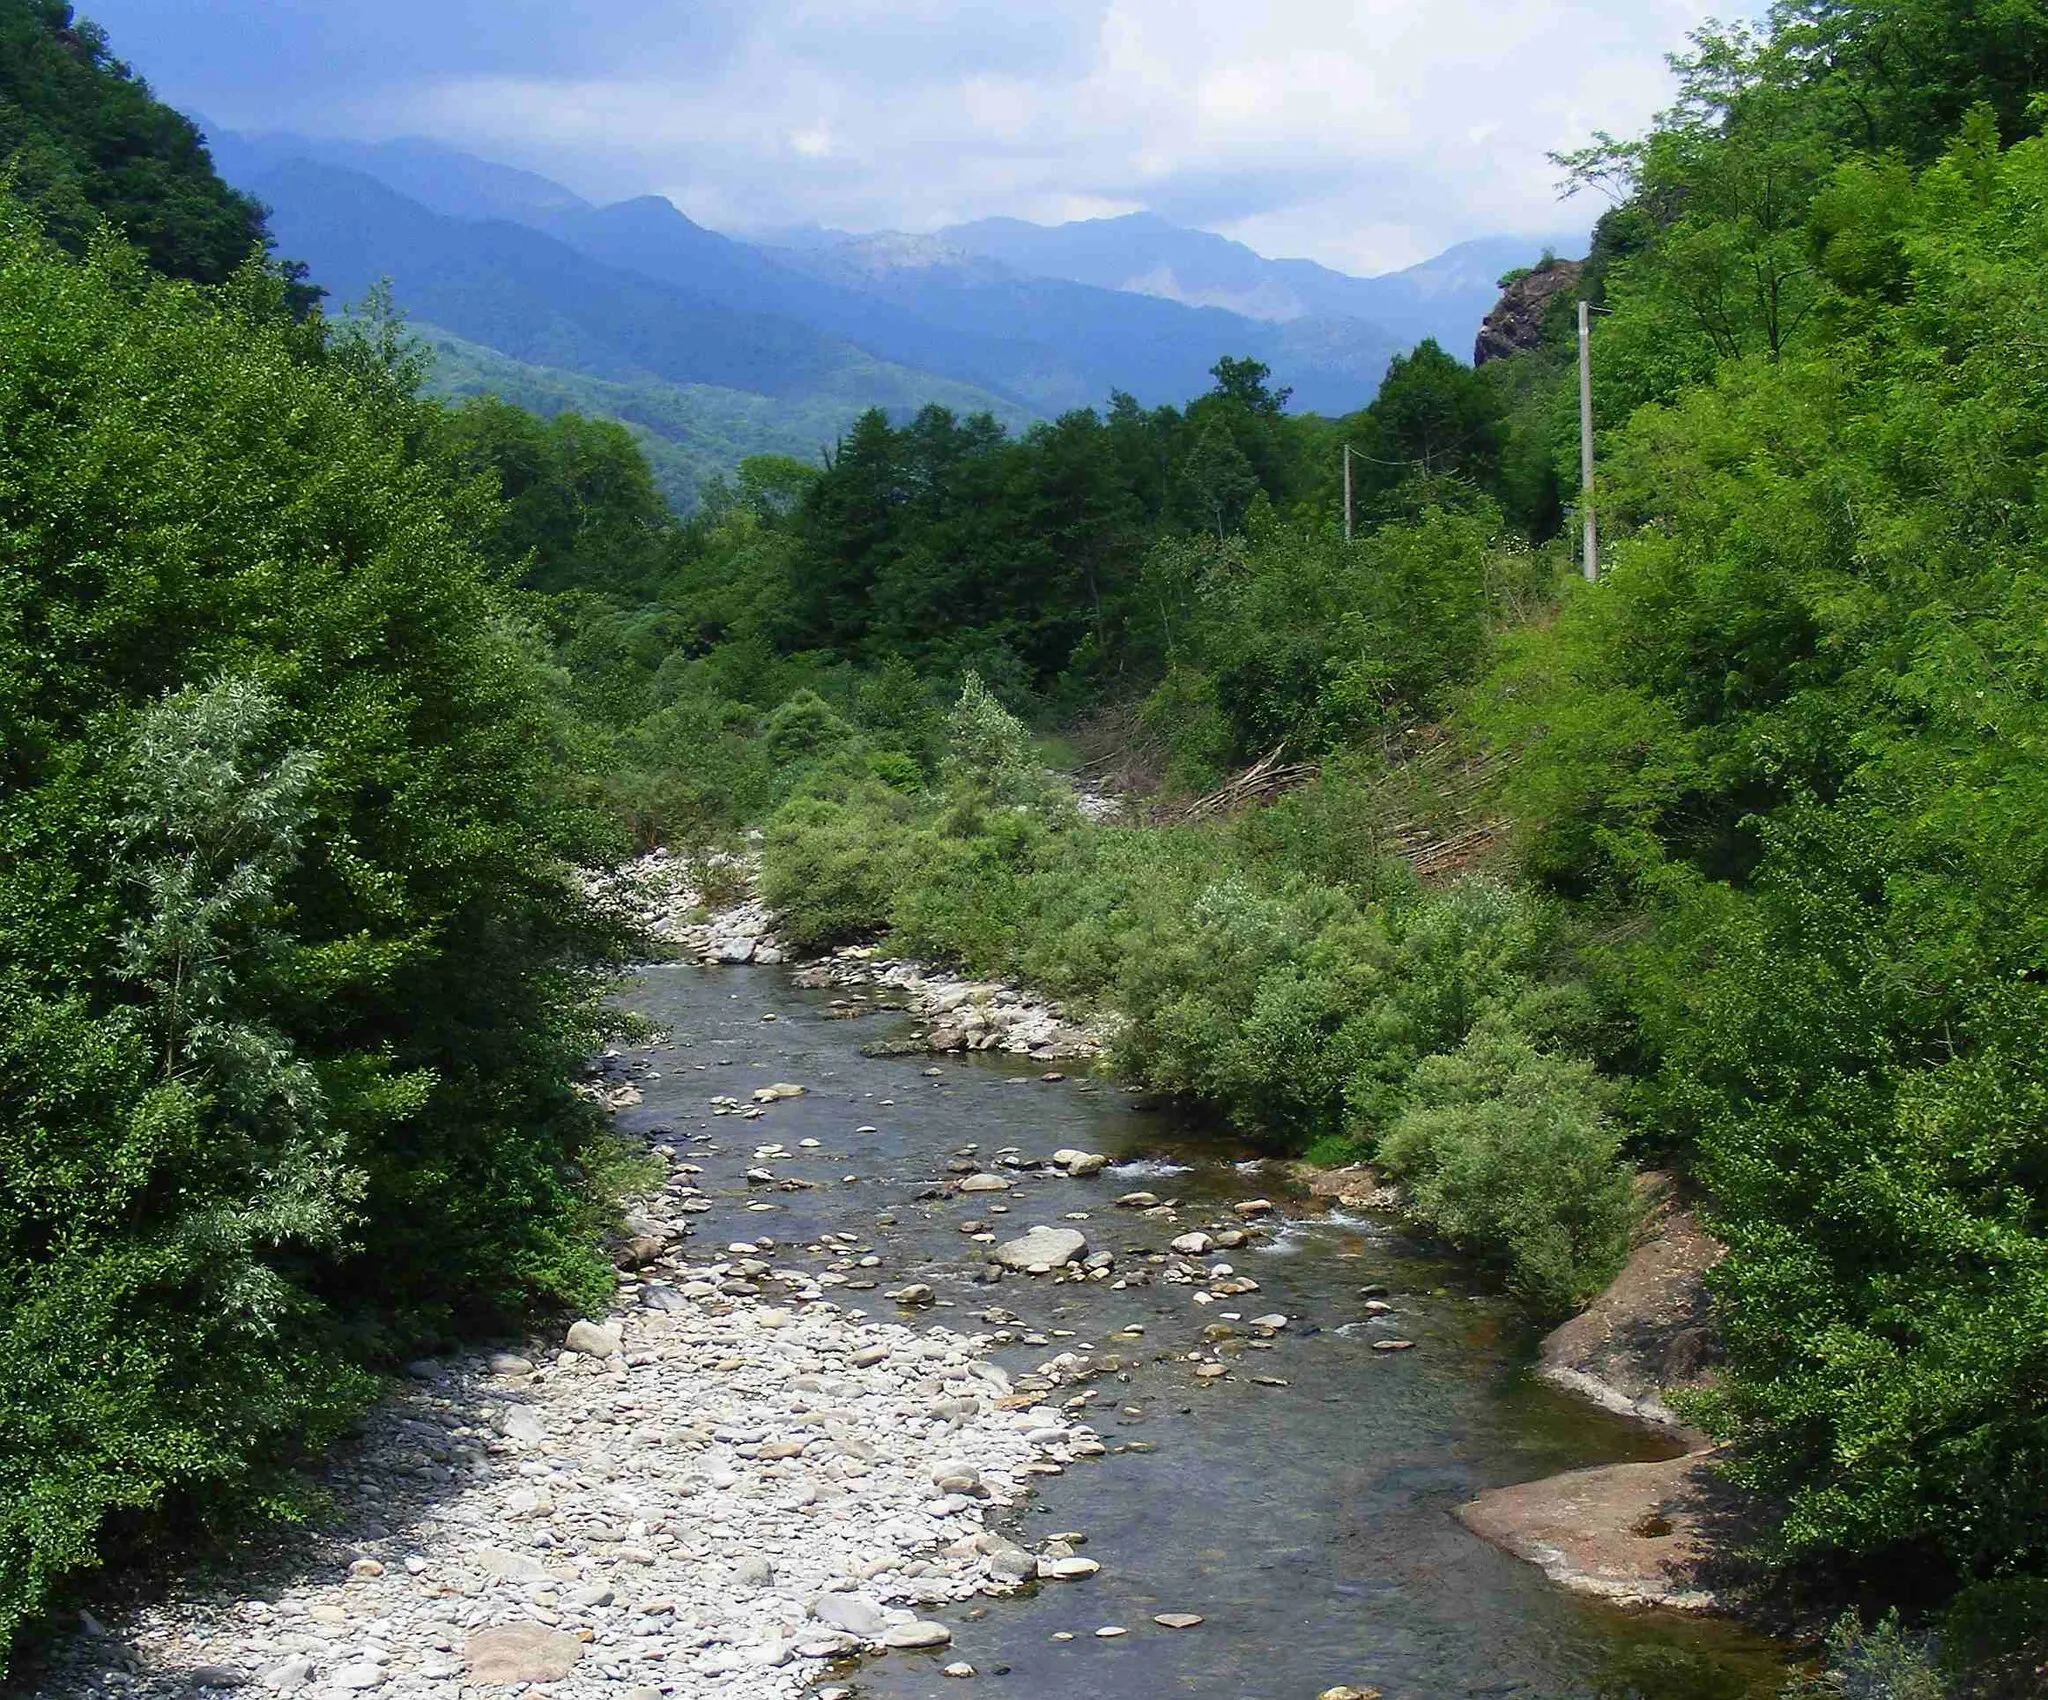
x,y
1308,1523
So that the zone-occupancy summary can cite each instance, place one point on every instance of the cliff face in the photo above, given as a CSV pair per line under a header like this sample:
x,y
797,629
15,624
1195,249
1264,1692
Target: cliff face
x,y
1516,321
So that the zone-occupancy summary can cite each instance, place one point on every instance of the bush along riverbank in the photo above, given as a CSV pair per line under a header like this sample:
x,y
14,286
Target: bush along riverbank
x,y
1276,969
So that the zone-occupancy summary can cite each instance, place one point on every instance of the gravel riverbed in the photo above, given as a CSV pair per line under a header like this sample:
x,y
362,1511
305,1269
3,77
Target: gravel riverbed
x,y
717,1495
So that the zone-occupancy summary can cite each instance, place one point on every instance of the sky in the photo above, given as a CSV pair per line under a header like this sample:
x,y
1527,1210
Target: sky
x,y
1366,135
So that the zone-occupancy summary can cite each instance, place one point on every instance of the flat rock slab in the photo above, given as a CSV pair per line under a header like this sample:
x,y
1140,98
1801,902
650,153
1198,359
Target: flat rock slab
x,y
1049,1247
854,1614
521,1652
1634,1534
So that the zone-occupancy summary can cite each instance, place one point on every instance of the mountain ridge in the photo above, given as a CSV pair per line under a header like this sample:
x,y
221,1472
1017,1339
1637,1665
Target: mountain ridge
x,y
664,321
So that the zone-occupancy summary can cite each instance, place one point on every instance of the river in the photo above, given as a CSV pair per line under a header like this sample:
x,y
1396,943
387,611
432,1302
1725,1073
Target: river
x,y
1300,1504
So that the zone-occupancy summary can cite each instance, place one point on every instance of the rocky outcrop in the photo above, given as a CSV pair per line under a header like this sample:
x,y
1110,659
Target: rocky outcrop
x,y
1516,322
1634,1534
1650,1333
1631,1534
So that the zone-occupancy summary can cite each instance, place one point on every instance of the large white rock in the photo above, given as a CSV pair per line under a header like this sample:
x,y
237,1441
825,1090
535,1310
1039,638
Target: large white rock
x,y
1051,1247
855,1614
592,1340
919,1634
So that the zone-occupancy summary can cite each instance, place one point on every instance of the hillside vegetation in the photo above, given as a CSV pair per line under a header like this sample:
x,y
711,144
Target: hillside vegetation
x,y
316,692
1772,906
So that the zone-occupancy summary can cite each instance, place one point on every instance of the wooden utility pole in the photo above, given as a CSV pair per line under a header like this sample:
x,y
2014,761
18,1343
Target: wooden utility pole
x,y
1347,492
1586,440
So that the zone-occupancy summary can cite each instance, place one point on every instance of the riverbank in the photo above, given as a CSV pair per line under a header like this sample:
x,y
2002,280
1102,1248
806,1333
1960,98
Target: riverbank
x,y
1637,1534
961,1014
1272,1521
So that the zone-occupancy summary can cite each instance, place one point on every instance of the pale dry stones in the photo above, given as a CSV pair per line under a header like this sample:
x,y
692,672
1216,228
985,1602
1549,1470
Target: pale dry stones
x,y
523,1425
509,1566
1049,1248
521,1652
290,1676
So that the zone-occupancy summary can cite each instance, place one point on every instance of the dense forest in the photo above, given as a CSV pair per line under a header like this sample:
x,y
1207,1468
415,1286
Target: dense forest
x,y
316,693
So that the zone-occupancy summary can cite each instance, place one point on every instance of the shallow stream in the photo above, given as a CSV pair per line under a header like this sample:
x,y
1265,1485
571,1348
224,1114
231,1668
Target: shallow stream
x,y
1309,1524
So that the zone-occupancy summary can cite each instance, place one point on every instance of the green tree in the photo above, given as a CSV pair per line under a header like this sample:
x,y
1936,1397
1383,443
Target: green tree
x,y
1434,419
1217,480
294,972
1796,735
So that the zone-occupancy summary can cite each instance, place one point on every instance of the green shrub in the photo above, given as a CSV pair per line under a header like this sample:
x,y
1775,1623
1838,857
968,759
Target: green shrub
x,y
1183,713
829,868
989,755
1508,1151
1879,1662
896,770
687,773
1994,1639
804,729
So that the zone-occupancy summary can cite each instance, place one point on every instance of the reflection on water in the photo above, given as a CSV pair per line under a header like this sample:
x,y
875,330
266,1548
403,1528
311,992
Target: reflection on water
x,y
1306,1514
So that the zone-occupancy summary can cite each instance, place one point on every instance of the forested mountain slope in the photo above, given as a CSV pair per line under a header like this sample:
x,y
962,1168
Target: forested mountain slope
x,y
84,140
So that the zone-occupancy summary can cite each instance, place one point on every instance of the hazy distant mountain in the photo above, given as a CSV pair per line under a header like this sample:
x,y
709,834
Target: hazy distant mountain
x,y
922,302
441,179
638,311
1090,340
1040,345
542,302
1444,297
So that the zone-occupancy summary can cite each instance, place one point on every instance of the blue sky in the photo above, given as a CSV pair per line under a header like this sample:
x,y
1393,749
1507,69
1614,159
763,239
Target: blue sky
x,y
1364,134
